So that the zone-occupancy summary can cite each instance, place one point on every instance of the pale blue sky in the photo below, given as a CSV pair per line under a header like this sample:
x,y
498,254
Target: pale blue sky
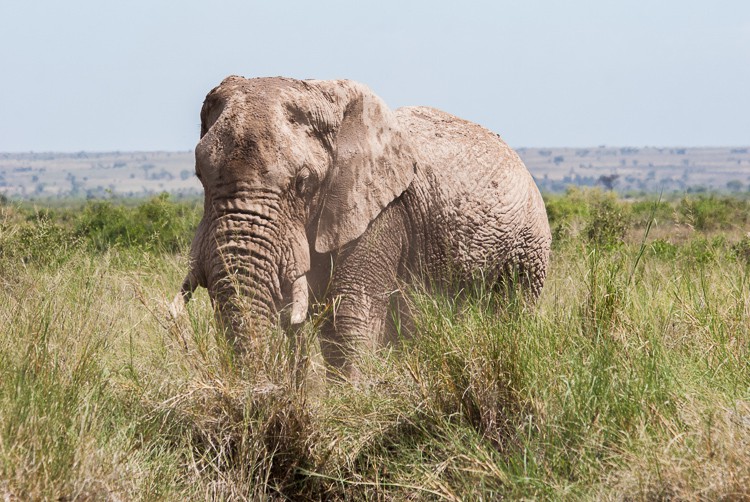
x,y
104,75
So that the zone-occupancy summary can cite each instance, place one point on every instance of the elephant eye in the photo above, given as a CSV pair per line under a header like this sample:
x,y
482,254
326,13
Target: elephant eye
x,y
303,182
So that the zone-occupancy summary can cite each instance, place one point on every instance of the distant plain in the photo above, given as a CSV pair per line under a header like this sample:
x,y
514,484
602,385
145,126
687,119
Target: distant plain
x,y
627,170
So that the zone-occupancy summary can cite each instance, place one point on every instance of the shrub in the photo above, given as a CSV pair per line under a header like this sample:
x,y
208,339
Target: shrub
x,y
165,224
40,240
700,250
562,209
604,220
157,224
104,225
644,211
711,212
663,249
608,222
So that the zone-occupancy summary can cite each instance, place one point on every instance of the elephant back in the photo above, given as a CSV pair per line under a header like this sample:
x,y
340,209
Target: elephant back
x,y
480,197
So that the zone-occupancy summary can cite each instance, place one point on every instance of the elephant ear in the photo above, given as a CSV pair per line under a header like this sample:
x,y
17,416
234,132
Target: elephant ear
x,y
372,165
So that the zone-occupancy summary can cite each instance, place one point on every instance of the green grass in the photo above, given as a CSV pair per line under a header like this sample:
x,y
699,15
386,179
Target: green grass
x,y
629,380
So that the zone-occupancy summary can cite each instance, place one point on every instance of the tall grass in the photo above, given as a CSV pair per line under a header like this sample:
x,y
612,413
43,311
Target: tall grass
x,y
629,380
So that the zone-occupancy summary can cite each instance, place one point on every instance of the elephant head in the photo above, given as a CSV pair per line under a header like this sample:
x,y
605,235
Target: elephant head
x,y
288,167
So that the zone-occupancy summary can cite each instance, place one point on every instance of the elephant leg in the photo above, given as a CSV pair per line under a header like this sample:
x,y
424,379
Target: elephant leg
x,y
365,279
530,265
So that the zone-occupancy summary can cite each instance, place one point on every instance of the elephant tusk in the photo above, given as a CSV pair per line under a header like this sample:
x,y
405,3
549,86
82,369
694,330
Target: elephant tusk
x,y
177,306
299,300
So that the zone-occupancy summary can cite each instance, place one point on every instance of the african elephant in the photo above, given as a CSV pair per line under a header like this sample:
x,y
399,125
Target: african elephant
x,y
317,186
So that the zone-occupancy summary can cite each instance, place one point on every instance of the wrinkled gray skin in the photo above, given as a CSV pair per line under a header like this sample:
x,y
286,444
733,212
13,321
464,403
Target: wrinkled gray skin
x,y
317,186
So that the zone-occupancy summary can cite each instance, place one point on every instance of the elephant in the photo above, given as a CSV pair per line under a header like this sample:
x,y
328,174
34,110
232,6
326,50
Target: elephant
x,y
317,187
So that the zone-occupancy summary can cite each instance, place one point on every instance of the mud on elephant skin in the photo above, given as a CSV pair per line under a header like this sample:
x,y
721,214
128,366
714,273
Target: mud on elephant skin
x,y
317,186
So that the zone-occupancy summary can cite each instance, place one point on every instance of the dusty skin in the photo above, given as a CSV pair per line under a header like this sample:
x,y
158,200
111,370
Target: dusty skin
x,y
318,188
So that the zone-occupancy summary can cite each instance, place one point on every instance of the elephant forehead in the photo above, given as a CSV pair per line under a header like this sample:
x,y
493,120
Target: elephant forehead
x,y
242,140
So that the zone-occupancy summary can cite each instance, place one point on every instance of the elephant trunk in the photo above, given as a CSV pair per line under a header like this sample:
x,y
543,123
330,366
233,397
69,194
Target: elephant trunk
x,y
253,271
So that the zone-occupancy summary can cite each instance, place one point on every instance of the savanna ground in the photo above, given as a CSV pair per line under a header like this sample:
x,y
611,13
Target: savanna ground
x,y
629,380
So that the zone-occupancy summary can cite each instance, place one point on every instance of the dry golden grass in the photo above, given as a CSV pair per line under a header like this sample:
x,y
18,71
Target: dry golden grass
x,y
630,380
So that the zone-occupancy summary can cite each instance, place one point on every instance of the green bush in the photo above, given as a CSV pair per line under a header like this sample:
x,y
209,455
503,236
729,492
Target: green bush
x,y
601,218
608,222
103,225
713,212
562,210
647,210
48,236
39,240
157,224
703,250
663,249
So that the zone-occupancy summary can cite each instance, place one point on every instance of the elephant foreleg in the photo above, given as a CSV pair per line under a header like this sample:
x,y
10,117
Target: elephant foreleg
x,y
365,278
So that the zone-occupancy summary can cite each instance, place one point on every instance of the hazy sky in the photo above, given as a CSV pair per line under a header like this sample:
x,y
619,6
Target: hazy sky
x,y
105,75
